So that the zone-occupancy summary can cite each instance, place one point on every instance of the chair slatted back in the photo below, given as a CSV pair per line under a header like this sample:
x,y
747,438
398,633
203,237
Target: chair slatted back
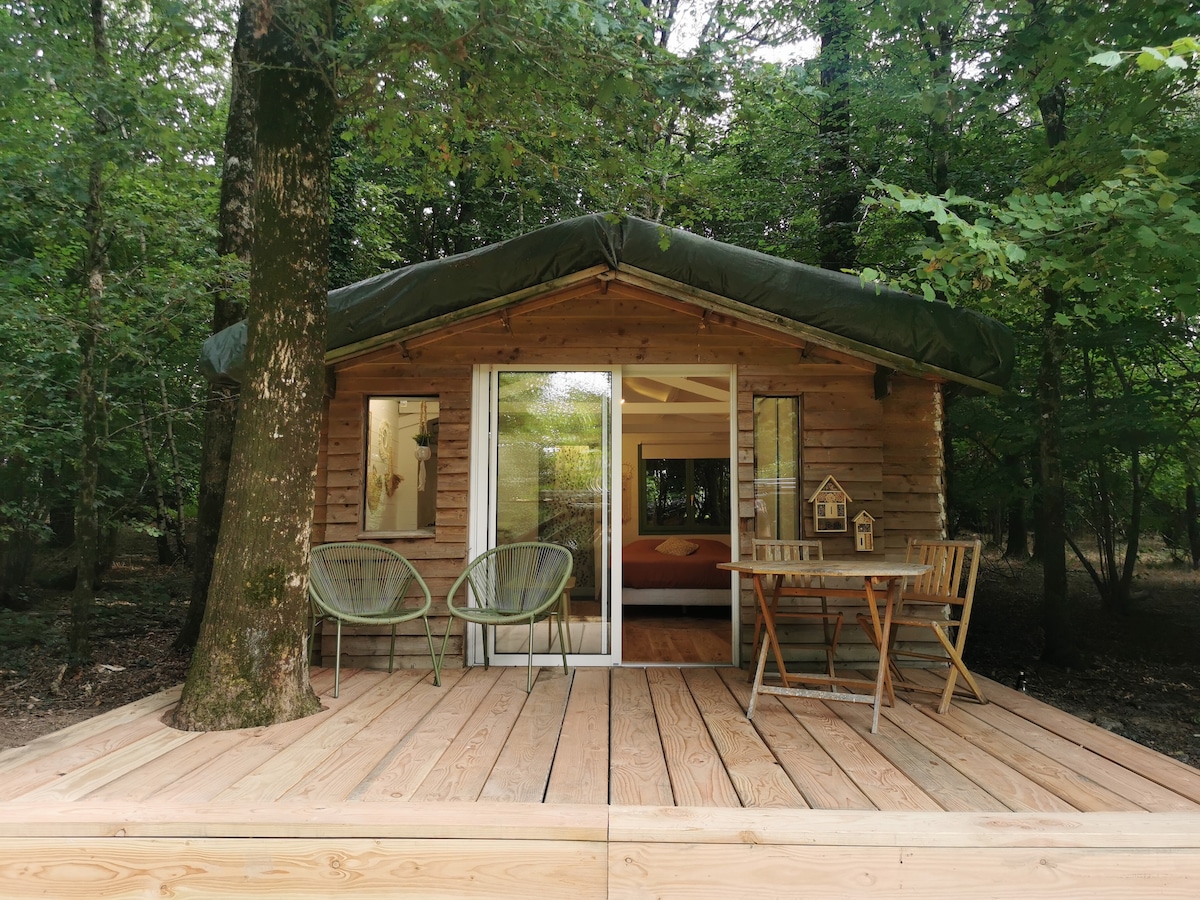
x,y
526,577
952,578
787,551
364,580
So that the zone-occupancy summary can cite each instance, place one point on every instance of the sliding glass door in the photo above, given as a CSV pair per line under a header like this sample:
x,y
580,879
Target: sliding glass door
x,y
549,478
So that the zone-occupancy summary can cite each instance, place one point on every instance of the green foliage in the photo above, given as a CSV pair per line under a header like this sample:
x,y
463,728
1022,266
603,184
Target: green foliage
x,y
152,120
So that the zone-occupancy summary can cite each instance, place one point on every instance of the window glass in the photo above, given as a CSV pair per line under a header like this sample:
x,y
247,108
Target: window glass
x,y
401,464
684,495
777,500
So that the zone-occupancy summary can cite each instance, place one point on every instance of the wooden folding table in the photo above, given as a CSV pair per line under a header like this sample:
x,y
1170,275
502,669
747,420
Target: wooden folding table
x,y
874,573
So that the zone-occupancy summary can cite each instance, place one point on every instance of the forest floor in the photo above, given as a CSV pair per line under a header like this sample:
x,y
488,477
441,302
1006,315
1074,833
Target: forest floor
x,y
1140,676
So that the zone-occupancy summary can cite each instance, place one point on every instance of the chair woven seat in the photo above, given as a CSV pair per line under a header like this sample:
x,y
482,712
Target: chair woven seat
x,y
367,584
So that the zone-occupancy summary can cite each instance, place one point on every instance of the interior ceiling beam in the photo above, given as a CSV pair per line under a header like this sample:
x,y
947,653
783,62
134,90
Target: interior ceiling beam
x,y
673,408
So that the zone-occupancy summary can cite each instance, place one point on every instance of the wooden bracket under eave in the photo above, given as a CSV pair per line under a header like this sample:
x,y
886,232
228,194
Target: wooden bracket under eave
x,y
883,381
505,322
330,382
604,278
703,326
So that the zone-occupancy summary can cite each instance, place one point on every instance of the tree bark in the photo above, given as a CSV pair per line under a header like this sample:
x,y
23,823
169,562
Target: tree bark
x,y
162,540
250,666
1059,646
1193,524
236,226
87,523
838,196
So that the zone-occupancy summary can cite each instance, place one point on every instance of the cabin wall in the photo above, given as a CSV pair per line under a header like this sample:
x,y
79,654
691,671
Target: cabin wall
x,y
886,453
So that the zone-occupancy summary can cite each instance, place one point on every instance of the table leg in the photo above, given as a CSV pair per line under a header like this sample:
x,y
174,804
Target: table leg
x,y
759,669
883,636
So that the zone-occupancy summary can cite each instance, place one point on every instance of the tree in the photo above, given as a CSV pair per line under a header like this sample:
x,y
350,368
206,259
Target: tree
x,y
1094,231
250,666
235,231
105,190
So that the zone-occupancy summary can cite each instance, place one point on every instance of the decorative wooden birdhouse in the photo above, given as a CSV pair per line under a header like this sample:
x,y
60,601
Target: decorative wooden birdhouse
x,y
864,532
829,504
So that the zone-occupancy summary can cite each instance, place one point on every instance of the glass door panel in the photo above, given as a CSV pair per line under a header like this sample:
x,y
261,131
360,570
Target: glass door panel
x,y
551,481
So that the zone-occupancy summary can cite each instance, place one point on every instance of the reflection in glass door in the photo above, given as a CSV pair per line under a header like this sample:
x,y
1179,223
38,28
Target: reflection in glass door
x,y
550,480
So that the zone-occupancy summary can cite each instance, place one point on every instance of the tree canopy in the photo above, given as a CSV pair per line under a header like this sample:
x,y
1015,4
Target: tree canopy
x,y
1035,160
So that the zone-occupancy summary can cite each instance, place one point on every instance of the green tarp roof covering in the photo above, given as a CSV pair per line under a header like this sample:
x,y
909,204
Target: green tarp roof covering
x,y
959,342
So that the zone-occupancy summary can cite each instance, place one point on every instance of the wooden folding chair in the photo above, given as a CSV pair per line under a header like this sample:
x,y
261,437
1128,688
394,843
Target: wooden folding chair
x,y
940,602
804,608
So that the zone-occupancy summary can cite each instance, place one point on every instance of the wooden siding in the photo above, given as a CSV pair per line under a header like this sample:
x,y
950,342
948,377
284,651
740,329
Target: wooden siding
x,y
886,453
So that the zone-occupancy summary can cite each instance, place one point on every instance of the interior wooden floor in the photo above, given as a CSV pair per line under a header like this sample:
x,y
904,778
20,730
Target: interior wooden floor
x,y
600,783
652,634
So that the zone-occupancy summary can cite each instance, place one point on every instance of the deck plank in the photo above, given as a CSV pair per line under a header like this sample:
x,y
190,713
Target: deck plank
x,y
698,777
286,868
886,786
1019,793
952,790
1081,792
462,770
1142,792
522,770
80,732
755,773
257,746
820,780
580,770
401,773
79,782
1169,772
348,766
291,766
51,761
638,769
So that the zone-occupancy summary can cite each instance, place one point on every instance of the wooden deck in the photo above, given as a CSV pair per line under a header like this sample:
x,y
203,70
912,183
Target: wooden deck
x,y
615,783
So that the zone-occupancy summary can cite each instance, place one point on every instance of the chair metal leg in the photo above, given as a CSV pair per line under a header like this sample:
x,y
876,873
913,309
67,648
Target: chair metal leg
x,y
529,670
392,651
441,660
561,645
434,661
337,661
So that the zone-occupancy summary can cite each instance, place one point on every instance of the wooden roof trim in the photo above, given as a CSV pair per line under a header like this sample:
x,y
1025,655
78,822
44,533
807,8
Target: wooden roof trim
x,y
775,322
632,291
408,333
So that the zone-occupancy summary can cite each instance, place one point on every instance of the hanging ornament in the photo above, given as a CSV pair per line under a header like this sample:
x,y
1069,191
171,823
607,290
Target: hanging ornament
x,y
422,451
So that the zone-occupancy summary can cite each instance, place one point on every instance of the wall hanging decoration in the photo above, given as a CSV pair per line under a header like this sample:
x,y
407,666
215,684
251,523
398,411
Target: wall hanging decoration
x,y
422,451
864,532
829,503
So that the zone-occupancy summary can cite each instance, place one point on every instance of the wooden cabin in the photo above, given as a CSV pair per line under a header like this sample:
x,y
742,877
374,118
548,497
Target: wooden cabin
x,y
625,389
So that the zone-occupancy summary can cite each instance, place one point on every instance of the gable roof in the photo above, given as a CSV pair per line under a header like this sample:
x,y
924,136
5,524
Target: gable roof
x,y
891,327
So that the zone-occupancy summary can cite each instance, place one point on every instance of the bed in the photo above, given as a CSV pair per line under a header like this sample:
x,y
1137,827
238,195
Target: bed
x,y
652,578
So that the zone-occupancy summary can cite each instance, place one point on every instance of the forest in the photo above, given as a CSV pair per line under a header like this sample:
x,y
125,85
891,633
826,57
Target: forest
x,y
1033,160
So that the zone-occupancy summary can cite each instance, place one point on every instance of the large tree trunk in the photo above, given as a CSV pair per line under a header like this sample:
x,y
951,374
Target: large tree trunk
x,y
838,195
1059,645
1052,535
236,226
87,524
250,666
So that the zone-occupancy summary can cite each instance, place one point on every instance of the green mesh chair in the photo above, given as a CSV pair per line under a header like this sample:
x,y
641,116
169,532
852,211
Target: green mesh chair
x,y
510,584
366,584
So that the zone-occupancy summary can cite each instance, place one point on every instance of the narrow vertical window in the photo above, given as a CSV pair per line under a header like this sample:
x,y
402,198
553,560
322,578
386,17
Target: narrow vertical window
x,y
777,498
400,470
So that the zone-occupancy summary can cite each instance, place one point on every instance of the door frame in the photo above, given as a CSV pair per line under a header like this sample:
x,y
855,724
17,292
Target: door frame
x,y
481,529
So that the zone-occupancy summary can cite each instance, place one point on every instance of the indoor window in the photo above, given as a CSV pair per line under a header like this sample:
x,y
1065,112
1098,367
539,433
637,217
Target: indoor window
x,y
684,495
